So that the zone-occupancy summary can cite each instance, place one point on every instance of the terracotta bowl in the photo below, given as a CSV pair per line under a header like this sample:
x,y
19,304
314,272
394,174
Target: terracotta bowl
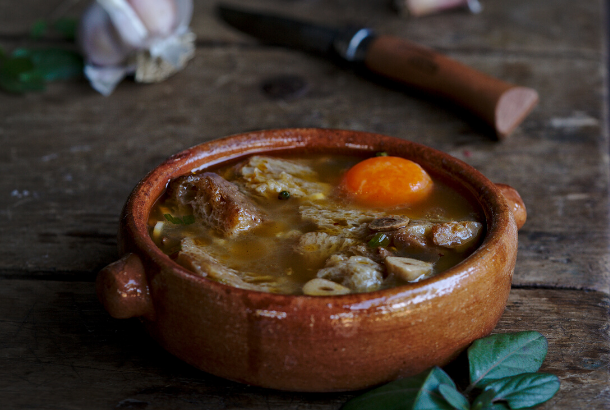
x,y
308,343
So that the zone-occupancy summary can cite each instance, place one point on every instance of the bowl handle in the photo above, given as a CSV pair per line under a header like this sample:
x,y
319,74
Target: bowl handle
x,y
515,203
122,289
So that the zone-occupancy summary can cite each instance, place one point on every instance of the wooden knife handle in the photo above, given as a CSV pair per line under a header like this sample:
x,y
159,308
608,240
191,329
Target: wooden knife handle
x,y
500,104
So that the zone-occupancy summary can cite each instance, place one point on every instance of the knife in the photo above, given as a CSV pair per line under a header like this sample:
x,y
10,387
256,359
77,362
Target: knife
x,y
500,104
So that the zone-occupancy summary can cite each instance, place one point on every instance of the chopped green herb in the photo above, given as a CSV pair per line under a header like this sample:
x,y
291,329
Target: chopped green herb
x,y
381,154
172,219
176,220
380,239
283,195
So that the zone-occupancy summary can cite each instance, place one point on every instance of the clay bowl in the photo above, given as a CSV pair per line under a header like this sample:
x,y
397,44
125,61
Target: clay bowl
x,y
305,343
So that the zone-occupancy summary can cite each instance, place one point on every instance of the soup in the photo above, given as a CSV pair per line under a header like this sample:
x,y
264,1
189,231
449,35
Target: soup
x,y
310,224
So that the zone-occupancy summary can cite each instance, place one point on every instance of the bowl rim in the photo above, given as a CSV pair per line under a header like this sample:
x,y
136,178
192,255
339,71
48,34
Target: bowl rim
x,y
134,217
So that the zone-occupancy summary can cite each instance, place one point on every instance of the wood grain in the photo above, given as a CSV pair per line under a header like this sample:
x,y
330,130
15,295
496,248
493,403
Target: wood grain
x,y
59,345
84,153
70,157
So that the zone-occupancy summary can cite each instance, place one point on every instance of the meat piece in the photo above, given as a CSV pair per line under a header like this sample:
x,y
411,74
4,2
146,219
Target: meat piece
x,y
324,287
456,235
413,237
316,247
350,223
408,269
388,223
357,273
216,203
268,176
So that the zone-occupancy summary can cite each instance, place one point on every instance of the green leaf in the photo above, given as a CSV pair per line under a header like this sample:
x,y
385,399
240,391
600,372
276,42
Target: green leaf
x,y
454,397
413,393
503,355
66,27
2,56
16,76
483,401
15,66
53,63
38,29
524,390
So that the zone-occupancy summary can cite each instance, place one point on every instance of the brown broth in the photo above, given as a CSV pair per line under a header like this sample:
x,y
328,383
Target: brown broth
x,y
266,253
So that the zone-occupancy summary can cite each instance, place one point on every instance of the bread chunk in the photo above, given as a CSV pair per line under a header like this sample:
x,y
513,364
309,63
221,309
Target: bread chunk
x,y
268,176
350,223
196,259
316,247
216,203
357,273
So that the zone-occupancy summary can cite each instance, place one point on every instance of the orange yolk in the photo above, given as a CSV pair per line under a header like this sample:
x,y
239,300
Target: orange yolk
x,y
387,182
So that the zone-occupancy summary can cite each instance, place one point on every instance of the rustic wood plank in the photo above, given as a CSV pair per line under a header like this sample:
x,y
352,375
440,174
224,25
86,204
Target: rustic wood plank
x,y
535,26
57,346
66,151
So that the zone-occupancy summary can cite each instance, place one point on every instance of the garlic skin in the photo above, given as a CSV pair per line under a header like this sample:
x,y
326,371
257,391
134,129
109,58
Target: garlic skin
x,y
148,38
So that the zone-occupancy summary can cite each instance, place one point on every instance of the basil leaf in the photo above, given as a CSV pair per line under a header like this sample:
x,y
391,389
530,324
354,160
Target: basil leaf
x,y
53,63
503,355
525,390
16,76
454,397
413,393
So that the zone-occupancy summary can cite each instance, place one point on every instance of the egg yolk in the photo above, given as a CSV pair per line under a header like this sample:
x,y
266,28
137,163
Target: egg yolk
x,y
387,182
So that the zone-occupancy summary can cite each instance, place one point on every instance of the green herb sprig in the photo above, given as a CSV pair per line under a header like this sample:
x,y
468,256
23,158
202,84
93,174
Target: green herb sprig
x,y
502,376
176,220
29,69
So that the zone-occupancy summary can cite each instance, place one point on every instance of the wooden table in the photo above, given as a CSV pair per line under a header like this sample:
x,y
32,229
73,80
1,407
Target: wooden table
x,y
70,157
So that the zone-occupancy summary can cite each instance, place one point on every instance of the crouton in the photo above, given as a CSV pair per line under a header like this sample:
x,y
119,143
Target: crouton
x,y
267,177
197,260
316,247
357,273
216,203
350,223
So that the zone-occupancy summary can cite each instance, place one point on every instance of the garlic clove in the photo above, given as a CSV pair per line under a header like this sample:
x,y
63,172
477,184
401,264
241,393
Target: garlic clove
x,y
184,13
126,22
105,79
99,40
148,38
158,16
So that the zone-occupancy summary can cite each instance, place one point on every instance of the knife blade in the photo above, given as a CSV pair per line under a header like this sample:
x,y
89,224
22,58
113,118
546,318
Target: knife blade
x,y
500,104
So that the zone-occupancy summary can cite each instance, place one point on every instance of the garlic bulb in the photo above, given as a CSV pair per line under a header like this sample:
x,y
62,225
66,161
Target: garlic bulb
x,y
148,38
